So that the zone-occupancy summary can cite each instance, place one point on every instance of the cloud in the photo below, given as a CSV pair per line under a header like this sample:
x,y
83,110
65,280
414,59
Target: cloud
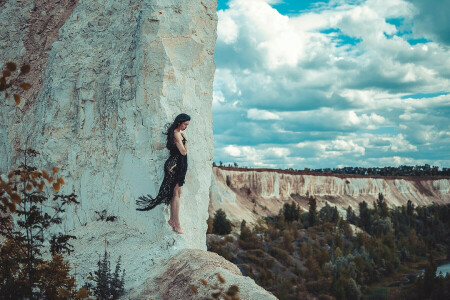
x,y
343,79
432,19
227,28
345,147
256,156
257,114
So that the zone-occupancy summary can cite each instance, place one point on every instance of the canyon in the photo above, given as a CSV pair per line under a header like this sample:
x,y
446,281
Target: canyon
x,y
248,194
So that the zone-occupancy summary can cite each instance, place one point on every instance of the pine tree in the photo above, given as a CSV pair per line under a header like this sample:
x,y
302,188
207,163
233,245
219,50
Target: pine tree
x,y
312,215
108,286
351,216
26,226
429,276
117,282
102,278
383,210
221,225
291,212
409,208
364,216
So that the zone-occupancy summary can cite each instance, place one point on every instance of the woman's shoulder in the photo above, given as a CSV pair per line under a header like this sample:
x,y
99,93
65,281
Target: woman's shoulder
x,y
177,134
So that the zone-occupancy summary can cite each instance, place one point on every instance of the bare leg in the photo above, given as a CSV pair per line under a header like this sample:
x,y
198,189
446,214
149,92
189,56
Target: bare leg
x,y
174,220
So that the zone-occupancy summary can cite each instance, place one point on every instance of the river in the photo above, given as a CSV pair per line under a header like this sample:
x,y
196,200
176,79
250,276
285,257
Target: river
x,y
445,269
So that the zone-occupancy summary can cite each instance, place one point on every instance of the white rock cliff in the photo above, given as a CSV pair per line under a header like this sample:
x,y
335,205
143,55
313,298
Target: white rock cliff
x,y
107,76
249,194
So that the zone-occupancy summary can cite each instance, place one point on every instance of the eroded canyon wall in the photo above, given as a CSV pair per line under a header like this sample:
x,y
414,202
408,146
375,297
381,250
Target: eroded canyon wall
x,y
247,194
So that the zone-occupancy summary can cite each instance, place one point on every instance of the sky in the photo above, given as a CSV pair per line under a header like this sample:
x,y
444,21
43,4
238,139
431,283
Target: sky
x,y
326,84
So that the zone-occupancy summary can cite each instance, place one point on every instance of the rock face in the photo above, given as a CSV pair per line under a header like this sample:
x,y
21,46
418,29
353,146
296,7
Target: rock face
x,y
247,194
116,74
107,76
206,266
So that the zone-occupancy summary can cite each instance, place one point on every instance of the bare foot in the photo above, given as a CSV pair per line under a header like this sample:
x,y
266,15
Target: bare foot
x,y
170,223
177,228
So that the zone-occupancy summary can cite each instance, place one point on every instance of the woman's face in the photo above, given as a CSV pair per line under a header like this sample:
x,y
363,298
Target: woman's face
x,y
183,125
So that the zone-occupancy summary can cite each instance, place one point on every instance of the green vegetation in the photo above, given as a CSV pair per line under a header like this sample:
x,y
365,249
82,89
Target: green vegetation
x,y
26,226
318,254
221,225
107,286
403,170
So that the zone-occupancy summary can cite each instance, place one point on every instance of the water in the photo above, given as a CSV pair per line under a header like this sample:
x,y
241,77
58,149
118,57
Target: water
x,y
445,269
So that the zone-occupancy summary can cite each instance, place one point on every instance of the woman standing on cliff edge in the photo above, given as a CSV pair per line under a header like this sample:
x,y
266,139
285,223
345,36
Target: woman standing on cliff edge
x,y
175,169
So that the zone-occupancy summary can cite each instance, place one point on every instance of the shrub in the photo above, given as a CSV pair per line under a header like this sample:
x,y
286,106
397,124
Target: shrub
x,y
221,225
107,286
217,289
24,272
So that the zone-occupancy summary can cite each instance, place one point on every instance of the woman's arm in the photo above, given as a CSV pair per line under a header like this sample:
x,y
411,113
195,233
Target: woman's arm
x,y
179,143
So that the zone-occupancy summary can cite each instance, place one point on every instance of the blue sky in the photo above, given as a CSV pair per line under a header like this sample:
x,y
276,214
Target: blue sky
x,y
332,83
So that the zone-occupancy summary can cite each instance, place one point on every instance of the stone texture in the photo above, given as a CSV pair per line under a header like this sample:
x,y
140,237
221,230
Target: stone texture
x,y
117,73
107,76
178,276
155,269
251,194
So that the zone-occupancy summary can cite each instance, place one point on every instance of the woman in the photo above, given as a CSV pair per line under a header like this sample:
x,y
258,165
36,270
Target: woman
x,y
175,169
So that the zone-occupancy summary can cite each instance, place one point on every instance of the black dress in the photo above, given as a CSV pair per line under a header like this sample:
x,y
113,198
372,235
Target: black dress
x,y
175,169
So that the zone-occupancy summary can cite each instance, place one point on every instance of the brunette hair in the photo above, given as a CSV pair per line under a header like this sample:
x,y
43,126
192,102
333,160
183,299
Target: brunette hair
x,y
170,135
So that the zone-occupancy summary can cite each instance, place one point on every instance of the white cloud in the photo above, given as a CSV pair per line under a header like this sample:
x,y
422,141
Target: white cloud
x,y
218,97
233,151
332,81
257,156
346,147
227,29
257,114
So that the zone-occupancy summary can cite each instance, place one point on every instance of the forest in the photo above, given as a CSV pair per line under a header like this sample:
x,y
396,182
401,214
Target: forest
x,y
375,252
403,170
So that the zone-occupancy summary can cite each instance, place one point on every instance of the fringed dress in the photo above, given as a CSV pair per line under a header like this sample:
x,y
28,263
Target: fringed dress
x,y
175,169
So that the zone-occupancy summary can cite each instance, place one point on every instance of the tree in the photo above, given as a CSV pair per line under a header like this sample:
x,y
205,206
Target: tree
x,y
291,212
353,291
429,276
25,222
243,224
409,208
329,214
221,225
312,215
351,216
108,286
383,210
9,81
364,216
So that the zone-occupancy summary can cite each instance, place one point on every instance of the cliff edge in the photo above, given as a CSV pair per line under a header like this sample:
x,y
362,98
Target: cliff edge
x,y
246,194
106,78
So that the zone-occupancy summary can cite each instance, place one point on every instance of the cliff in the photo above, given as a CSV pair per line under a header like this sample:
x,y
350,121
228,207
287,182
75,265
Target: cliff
x,y
106,78
249,193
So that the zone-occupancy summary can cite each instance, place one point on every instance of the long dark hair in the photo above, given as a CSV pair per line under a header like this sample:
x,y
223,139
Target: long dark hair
x,y
170,135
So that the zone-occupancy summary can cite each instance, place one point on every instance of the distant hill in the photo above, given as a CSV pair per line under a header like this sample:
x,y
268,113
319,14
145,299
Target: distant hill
x,y
246,194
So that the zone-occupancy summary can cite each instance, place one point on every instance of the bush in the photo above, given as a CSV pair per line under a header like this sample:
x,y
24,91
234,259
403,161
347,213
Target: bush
x,y
221,225
291,212
24,273
107,286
